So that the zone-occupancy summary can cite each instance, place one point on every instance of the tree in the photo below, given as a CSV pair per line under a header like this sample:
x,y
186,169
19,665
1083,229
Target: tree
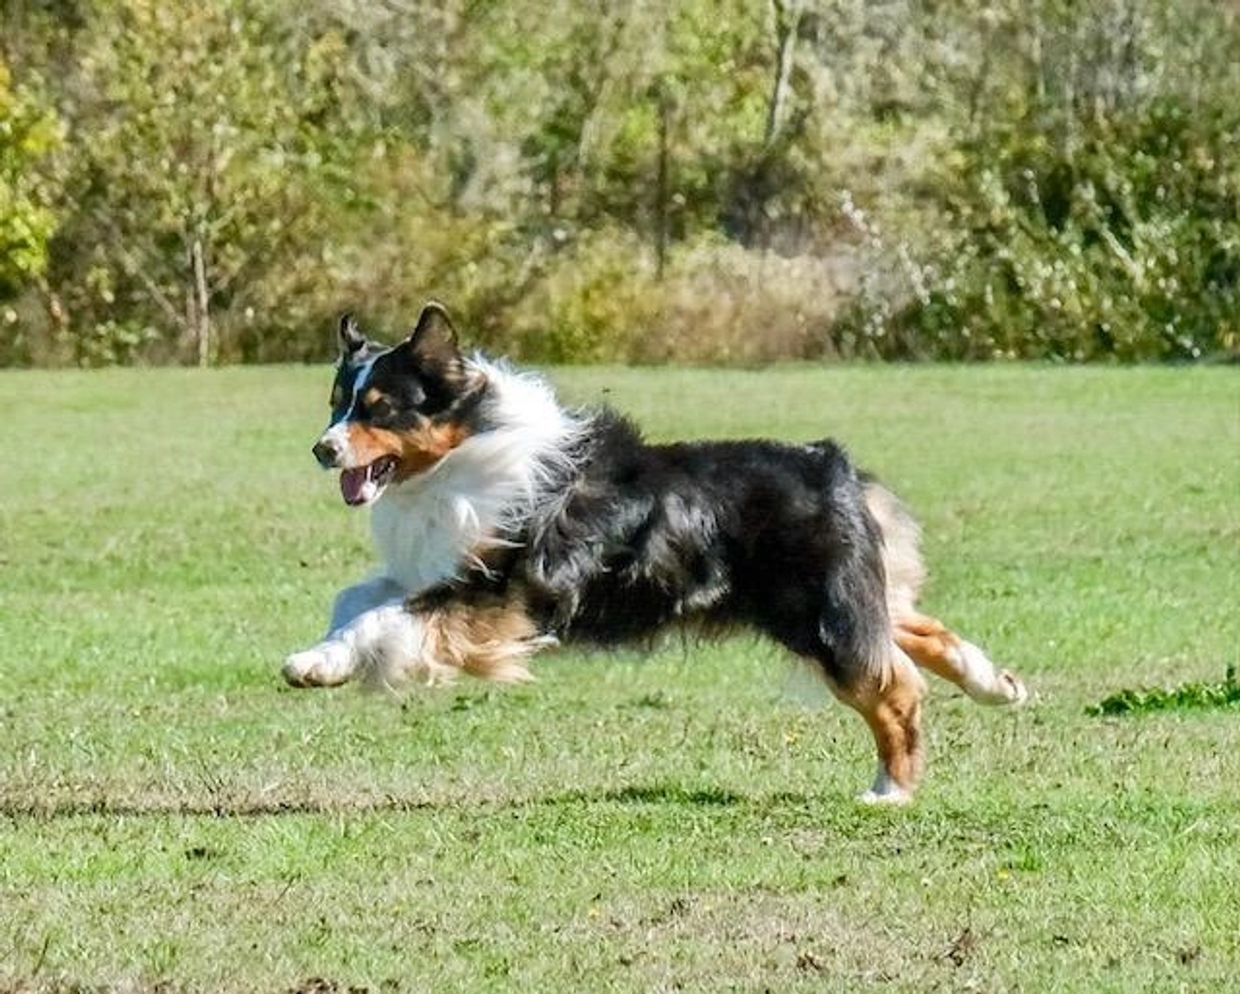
x,y
202,140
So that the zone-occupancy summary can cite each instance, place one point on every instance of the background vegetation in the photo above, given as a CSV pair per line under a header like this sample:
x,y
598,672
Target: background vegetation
x,y
699,179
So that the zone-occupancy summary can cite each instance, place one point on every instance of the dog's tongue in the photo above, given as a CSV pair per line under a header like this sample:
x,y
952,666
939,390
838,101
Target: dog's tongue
x,y
353,485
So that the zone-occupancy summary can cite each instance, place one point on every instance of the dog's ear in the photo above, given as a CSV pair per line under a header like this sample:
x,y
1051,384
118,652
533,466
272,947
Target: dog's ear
x,y
351,338
433,340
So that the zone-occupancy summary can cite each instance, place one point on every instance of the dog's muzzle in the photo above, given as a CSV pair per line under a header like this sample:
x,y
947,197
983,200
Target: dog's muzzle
x,y
327,452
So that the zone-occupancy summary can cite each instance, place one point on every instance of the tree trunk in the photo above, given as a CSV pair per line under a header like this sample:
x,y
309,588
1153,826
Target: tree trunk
x,y
787,20
661,184
202,313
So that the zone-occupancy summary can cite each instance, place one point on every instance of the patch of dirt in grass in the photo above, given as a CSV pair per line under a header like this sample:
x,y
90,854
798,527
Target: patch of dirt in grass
x,y
47,807
687,940
319,985
1188,955
53,985
961,947
74,801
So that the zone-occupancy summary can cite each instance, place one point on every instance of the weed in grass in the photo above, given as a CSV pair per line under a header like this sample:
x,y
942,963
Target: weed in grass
x,y
1187,696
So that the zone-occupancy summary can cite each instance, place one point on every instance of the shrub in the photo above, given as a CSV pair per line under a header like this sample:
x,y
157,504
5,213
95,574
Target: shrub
x,y
716,303
29,138
1101,221
1127,247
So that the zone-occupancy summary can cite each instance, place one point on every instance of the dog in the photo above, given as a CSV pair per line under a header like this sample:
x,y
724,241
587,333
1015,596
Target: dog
x,y
507,523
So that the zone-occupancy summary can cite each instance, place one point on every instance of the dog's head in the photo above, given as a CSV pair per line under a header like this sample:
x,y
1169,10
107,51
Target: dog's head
x,y
396,411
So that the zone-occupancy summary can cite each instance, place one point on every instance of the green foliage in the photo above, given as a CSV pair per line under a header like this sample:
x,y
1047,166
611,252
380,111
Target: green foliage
x,y
1127,246
597,300
29,136
1225,693
196,136
1095,213
637,182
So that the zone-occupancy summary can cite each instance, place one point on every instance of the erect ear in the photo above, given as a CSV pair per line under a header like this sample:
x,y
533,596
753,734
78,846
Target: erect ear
x,y
433,340
351,337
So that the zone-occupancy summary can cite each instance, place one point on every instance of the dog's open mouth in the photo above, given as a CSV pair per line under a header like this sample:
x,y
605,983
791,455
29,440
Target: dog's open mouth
x,y
365,484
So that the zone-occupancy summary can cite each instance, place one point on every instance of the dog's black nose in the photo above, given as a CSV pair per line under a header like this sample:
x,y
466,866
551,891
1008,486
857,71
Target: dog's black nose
x,y
326,453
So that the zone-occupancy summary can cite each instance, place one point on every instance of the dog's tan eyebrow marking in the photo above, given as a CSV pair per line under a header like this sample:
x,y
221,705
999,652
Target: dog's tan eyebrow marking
x,y
375,396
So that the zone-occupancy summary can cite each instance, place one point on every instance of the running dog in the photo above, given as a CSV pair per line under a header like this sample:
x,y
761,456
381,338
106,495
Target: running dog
x,y
506,522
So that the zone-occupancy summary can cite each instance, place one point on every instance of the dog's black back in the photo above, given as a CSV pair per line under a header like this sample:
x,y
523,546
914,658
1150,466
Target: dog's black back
x,y
713,533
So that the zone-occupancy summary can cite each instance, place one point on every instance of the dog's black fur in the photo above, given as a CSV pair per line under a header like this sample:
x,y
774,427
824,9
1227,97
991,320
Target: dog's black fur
x,y
643,537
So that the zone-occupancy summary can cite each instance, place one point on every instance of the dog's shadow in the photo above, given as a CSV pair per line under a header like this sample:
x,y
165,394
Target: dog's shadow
x,y
654,794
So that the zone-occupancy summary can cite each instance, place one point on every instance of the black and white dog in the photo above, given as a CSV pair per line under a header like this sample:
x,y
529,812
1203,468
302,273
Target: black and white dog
x,y
506,522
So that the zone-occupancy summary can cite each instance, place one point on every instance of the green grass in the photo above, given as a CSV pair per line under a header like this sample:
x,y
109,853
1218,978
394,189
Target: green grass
x,y
683,821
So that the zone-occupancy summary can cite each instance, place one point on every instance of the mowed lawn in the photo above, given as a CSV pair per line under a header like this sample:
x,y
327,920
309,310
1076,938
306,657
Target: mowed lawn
x,y
172,818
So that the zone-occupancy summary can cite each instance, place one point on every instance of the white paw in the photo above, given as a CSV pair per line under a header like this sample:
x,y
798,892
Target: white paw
x,y
1013,686
326,665
985,684
894,796
885,791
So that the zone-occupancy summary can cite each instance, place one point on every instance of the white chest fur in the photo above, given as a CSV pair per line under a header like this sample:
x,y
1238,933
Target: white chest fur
x,y
424,535
429,529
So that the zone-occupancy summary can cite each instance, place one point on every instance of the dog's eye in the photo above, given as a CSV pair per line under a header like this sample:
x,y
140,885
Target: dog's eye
x,y
337,396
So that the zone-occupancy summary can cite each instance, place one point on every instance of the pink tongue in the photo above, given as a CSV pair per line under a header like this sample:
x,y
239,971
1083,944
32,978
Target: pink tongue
x,y
351,483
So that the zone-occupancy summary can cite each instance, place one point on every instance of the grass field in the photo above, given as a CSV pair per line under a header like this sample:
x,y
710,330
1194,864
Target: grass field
x,y
172,818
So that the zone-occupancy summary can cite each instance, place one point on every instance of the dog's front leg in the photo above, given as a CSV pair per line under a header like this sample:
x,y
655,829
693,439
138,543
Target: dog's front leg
x,y
337,658
362,647
425,641
352,602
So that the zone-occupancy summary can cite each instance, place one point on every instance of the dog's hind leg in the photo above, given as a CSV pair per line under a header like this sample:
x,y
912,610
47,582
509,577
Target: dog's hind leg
x,y
931,645
892,709
867,670
927,641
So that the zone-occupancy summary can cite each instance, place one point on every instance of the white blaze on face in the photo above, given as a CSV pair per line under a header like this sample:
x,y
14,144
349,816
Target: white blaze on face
x,y
337,433
337,437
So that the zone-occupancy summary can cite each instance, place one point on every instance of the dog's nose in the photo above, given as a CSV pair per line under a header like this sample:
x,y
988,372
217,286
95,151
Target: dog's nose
x,y
326,453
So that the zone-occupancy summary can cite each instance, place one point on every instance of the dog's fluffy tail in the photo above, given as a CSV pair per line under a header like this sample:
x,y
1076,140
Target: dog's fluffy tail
x,y
902,560
926,640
